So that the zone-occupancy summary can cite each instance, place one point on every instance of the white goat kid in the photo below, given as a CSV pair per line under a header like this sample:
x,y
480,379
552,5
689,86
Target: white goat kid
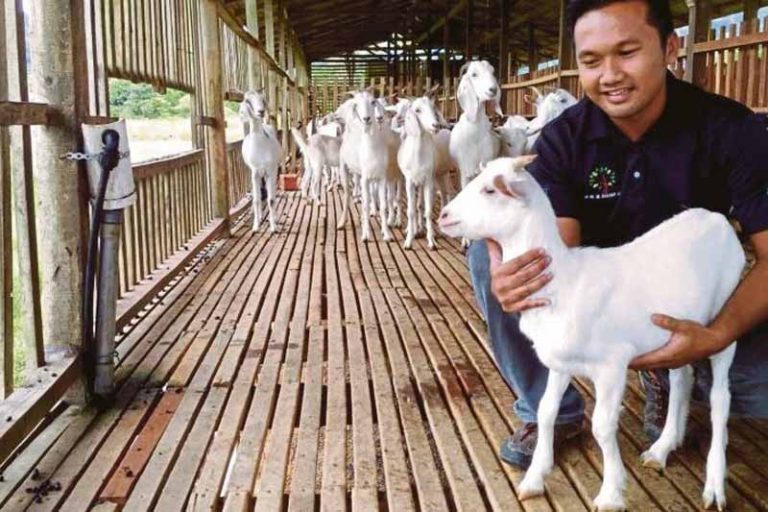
x,y
599,317
320,152
472,140
369,156
548,107
262,153
416,158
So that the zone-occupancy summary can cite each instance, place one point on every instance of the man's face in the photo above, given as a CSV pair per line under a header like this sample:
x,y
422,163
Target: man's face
x,y
622,65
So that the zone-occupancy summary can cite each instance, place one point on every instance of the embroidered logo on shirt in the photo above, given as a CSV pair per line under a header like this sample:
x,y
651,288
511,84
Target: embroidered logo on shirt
x,y
602,183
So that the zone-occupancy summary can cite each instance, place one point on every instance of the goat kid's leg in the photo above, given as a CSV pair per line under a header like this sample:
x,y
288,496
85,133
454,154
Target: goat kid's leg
x,y
386,234
428,198
398,205
680,386
720,403
609,389
365,220
271,182
256,201
410,232
344,196
464,182
372,196
543,456
390,187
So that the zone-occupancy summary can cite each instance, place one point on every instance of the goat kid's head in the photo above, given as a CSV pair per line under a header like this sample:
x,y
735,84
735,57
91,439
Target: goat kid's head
x,y
366,107
478,85
254,106
549,107
493,204
399,110
422,117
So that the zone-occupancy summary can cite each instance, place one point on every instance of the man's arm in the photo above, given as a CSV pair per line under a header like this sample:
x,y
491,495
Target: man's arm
x,y
691,341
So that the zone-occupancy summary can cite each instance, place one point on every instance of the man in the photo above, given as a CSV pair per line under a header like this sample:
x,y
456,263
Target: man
x,y
641,147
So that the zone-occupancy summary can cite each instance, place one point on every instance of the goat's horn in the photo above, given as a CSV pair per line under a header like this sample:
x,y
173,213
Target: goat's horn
x,y
537,91
464,67
433,90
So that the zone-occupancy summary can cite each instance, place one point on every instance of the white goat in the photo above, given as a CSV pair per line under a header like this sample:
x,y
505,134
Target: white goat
x,y
262,153
416,158
472,140
548,107
320,152
599,317
364,151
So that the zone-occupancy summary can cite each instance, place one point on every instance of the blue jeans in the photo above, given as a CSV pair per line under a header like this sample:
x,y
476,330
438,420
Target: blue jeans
x,y
527,377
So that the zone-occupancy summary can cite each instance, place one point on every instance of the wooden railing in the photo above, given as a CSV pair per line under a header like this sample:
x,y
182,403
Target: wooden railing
x,y
172,205
239,174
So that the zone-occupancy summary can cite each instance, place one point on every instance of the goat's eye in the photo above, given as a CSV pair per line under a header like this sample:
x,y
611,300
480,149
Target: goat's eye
x,y
418,111
489,190
474,75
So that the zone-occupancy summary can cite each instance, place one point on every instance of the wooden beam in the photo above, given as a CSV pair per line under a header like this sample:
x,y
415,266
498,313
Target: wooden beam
x,y
565,50
26,114
455,10
252,23
269,26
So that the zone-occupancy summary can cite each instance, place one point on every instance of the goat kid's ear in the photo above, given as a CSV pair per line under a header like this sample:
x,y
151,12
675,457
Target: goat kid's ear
x,y
468,99
412,127
521,162
509,188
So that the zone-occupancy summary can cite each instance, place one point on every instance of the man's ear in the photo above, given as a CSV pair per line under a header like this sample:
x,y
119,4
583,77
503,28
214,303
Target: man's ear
x,y
671,49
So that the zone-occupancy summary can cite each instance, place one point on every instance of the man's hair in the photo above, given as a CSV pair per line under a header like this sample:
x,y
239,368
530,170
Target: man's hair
x,y
659,14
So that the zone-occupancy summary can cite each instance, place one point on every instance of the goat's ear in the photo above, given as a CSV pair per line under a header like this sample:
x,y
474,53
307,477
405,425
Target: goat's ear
x,y
412,127
521,162
468,99
510,188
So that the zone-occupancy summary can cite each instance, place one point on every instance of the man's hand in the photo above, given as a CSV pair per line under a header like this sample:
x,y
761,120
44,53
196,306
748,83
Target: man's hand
x,y
690,341
514,281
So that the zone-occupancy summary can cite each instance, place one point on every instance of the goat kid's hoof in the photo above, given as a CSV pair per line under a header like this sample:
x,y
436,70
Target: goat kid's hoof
x,y
608,503
387,237
530,488
714,495
653,461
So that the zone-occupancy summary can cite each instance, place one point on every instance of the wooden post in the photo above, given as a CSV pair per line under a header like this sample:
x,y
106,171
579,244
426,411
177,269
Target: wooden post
x,y
213,107
252,23
532,62
58,76
698,31
565,44
446,55
468,30
750,9
503,43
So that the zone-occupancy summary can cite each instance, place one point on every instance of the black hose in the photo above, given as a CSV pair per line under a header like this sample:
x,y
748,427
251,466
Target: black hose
x,y
108,160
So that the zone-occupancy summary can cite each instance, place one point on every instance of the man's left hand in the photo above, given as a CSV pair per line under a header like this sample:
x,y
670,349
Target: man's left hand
x,y
690,341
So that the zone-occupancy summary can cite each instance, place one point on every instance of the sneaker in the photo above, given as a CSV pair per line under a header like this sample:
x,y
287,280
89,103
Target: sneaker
x,y
517,450
656,387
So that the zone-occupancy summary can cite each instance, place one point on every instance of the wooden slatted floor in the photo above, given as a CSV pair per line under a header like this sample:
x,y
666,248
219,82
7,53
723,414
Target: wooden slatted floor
x,y
307,371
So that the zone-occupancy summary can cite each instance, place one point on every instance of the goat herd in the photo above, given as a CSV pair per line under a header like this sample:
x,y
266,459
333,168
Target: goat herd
x,y
374,148
600,304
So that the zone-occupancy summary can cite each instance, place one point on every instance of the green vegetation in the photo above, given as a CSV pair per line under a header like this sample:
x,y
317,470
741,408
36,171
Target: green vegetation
x,y
140,101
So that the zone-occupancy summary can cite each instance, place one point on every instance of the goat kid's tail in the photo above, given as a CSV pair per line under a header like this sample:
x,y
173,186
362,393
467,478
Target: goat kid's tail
x,y
299,138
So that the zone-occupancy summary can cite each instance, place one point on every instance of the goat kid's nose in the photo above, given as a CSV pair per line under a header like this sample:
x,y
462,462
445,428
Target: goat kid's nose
x,y
443,214
493,90
367,119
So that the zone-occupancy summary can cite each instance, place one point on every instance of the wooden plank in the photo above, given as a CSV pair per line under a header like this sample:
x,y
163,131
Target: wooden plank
x,y
253,436
24,409
160,338
138,454
181,479
29,457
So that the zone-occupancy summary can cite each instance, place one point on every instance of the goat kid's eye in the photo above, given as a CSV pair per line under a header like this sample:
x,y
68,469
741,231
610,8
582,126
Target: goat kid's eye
x,y
489,190
418,111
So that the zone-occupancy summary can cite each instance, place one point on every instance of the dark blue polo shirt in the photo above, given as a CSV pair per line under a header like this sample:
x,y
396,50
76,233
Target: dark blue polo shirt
x,y
704,151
